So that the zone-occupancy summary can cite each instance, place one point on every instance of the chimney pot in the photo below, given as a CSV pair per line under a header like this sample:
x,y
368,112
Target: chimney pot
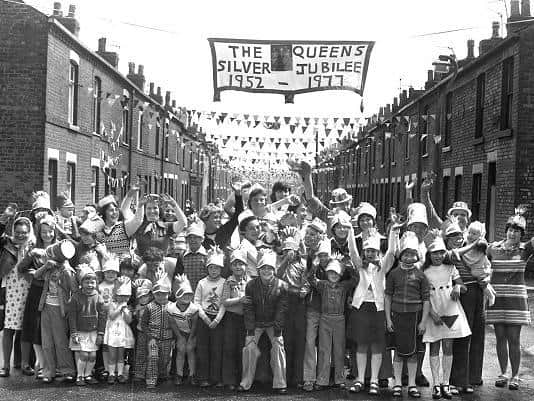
x,y
151,88
167,98
429,75
102,44
525,8
72,11
495,27
57,9
173,103
131,68
514,9
141,70
159,91
470,48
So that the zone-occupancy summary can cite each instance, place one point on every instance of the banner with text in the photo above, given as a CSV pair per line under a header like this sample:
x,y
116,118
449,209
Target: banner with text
x,y
288,67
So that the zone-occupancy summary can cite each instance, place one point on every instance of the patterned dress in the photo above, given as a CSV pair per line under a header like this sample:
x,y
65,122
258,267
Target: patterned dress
x,y
116,239
508,280
17,288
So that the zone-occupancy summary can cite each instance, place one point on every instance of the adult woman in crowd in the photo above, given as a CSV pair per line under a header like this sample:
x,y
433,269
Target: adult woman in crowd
x,y
120,224
152,230
510,311
31,323
15,285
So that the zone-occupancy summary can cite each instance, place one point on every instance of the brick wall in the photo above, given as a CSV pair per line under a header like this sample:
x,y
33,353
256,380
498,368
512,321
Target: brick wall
x,y
22,99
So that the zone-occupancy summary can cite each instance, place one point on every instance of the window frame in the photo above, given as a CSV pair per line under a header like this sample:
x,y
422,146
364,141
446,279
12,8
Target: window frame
x,y
479,106
70,180
95,183
73,92
507,93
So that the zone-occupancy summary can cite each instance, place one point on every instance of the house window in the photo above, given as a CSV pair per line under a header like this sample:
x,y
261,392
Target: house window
x,y
385,143
479,113
424,132
125,126
392,148
73,93
448,120
71,181
157,139
178,151
407,146
477,195
97,100
507,93
95,178
52,182
445,195
458,188
166,145
373,155
140,123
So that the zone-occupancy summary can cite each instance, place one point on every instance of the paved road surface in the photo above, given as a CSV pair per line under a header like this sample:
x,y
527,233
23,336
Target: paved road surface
x,y
18,388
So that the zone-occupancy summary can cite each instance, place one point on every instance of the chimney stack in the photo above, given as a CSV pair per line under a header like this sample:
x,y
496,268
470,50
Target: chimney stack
x,y
495,28
525,8
173,103
167,98
70,22
72,11
514,9
141,70
470,48
151,93
131,68
138,79
57,10
110,57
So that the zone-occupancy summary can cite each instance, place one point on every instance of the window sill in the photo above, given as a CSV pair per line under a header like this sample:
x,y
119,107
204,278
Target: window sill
x,y
74,127
425,156
125,144
393,163
506,133
478,141
446,149
140,149
382,165
96,134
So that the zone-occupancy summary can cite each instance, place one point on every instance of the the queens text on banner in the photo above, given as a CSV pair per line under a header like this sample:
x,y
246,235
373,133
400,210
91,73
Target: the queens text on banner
x,y
288,67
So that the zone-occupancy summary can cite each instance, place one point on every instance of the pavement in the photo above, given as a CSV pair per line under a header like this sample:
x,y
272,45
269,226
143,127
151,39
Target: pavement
x,y
22,388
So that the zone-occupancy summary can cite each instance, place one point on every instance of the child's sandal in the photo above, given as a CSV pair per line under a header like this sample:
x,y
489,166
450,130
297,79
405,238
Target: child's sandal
x,y
373,388
414,392
397,391
501,381
356,387
514,383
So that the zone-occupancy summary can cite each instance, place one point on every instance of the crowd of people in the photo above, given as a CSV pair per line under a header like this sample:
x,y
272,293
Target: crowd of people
x,y
141,291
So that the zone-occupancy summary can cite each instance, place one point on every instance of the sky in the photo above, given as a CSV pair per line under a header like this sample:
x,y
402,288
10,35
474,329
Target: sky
x,y
179,59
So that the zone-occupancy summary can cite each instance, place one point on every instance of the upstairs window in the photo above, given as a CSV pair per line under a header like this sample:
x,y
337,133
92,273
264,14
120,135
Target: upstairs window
x,y
73,93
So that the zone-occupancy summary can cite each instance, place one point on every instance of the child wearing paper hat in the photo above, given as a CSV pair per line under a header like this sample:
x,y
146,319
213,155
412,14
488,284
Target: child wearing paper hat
x,y
183,316
209,339
118,335
332,322
143,293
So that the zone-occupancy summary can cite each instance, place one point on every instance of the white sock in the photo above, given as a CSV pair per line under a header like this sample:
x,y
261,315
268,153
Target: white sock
x,y
120,368
111,368
447,367
80,367
434,367
89,367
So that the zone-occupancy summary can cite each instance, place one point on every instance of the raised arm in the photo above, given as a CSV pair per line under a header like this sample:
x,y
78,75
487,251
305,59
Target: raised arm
x,y
353,250
433,217
181,222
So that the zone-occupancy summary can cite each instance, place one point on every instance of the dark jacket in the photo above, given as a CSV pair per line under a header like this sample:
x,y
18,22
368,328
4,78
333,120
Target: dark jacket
x,y
265,305
87,313
224,234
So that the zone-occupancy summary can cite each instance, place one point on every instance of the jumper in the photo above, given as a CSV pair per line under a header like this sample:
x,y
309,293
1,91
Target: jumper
x,y
409,288
86,313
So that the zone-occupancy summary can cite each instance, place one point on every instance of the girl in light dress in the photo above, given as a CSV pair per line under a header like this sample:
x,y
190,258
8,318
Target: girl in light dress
x,y
447,318
118,335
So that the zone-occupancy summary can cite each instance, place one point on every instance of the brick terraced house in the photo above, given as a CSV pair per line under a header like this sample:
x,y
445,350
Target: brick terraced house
x,y
65,110
484,118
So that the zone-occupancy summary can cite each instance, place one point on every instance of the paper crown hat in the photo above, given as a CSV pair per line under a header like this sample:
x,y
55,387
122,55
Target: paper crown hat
x,y
335,266
111,263
143,287
342,218
63,200
238,254
124,286
325,246
460,205
434,241
417,214
518,219
450,227
290,243
409,241
365,208
267,259
41,200
372,242
318,225
184,286
195,229
85,271
93,225
215,257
